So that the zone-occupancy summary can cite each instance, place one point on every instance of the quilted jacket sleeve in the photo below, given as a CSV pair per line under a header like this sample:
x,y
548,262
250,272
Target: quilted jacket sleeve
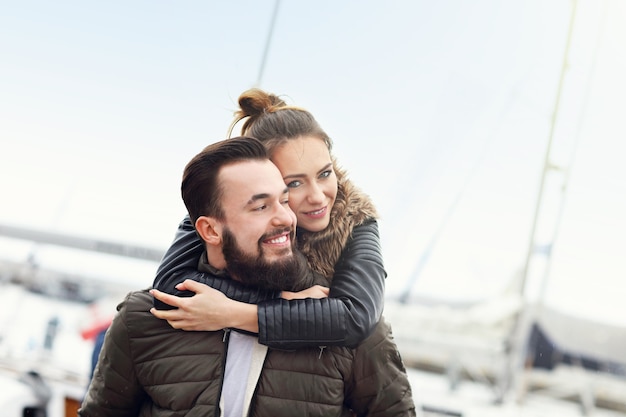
x,y
180,262
348,315
114,390
379,385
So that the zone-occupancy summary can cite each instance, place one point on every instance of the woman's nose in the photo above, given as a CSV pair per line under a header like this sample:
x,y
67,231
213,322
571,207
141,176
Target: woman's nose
x,y
316,194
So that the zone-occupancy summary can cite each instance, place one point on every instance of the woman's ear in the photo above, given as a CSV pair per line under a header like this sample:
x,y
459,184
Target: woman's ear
x,y
210,230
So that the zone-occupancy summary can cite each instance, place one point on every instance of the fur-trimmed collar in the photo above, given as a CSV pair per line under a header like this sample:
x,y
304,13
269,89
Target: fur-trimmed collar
x,y
352,208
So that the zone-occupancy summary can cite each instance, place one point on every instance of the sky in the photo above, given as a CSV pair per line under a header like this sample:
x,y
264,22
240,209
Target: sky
x,y
441,111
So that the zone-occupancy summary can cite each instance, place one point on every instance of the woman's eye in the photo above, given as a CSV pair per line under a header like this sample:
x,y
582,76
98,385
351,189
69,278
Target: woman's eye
x,y
294,184
326,174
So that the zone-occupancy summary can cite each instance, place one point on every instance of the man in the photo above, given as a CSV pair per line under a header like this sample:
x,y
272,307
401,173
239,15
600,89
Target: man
x,y
238,202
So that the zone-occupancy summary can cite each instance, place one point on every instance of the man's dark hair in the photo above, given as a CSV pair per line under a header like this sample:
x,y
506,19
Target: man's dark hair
x,y
200,187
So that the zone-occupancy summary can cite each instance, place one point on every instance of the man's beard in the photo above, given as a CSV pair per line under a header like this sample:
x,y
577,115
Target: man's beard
x,y
288,273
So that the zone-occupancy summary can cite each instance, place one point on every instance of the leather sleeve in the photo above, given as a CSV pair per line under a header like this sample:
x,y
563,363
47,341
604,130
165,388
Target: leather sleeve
x,y
114,390
379,384
183,254
347,316
180,262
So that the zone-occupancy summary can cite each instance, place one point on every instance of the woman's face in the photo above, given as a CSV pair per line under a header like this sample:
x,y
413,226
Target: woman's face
x,y
307,170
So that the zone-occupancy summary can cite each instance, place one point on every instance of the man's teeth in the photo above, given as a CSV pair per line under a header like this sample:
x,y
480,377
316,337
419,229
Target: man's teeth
x,y
281,239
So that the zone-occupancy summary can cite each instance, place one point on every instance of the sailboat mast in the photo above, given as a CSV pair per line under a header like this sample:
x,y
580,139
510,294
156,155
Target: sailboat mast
x,y
268,44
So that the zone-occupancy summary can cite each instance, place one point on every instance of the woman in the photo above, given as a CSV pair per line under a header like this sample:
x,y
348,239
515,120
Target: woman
x,y
337,231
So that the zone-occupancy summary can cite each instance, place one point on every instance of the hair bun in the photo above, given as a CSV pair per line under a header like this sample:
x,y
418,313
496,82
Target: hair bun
x,y
255,101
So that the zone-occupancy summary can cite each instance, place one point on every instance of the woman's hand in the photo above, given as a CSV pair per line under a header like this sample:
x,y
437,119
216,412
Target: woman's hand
x,y
207,310
316,291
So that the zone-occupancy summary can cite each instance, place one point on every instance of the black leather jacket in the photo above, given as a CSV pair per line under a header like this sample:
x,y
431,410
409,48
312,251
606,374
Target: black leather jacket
x,y
345,318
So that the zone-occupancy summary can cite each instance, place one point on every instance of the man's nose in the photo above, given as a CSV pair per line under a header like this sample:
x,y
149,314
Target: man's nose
x,y
283,216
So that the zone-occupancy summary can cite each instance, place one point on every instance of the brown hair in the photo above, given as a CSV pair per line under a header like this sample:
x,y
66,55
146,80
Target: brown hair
x,y
273,122
200,188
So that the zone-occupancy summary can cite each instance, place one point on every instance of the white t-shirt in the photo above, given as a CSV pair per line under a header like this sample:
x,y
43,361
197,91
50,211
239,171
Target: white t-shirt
x,y
244,361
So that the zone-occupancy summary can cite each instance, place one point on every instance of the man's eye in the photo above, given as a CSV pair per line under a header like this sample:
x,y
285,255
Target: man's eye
x,y
261,208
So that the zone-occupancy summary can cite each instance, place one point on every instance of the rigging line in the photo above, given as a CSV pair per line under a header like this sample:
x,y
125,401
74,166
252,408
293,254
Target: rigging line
x,y
434,239
268,44
32,255
546,163
572,158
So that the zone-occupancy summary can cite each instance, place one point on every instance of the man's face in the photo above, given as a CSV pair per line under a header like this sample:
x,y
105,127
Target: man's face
x,y
257,214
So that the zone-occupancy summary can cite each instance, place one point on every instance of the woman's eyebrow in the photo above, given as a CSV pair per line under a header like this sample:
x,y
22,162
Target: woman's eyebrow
x,y
328,165
293,176
324,168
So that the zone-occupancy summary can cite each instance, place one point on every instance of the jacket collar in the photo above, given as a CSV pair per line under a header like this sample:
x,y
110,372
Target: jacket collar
x,y
352,208
205,266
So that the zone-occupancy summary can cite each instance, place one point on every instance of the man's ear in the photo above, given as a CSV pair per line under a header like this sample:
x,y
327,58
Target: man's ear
x,y
210,230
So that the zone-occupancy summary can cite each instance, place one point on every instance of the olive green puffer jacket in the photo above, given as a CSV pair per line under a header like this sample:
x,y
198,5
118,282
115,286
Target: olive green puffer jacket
x,y
147,368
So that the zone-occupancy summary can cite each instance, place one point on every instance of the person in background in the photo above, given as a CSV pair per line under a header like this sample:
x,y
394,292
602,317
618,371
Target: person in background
x,y
238,204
